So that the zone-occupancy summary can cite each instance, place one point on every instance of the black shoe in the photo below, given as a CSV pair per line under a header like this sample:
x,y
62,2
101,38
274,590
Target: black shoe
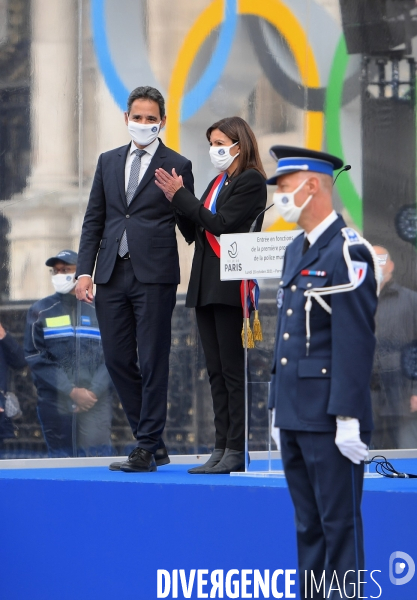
x,y
161,458
139,461
115,466
212,461
233,460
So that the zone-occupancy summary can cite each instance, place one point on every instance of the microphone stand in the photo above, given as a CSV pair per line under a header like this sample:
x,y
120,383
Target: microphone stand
x,y
252,227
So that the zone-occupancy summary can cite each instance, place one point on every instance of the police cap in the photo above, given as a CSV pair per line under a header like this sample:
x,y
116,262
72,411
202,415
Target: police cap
x,y
66,256
291,159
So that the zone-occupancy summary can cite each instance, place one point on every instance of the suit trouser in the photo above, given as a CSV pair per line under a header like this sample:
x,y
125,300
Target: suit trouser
x,y
326,490
220,329
135,322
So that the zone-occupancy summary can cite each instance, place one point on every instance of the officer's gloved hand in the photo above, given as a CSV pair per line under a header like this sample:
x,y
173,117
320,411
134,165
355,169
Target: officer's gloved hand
x,y
275,431
348,440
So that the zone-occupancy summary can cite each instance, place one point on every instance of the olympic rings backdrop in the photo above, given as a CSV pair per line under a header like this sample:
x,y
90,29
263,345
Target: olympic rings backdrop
x,y
230,53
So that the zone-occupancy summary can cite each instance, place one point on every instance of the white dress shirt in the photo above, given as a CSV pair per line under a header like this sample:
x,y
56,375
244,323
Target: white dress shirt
x,y
145,160
315,233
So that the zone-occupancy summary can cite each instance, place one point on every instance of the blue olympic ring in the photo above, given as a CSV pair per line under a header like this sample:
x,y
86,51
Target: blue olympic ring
x,y
199,94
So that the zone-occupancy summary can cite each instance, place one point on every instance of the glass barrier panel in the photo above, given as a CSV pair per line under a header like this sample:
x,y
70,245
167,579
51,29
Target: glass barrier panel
x,y
66,69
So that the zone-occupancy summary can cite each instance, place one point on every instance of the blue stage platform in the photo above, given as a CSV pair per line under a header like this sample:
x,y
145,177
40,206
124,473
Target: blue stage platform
x,y
91,534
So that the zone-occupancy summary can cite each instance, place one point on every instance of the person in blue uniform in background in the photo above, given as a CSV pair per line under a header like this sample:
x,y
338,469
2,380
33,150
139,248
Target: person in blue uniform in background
x,y
64,351
322,367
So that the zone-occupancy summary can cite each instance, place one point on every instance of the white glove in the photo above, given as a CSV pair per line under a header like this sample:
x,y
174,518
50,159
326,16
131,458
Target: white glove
x,y
275,431
348,440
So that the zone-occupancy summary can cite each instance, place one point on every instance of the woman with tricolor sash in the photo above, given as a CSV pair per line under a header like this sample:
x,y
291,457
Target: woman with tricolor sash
x,y
230,204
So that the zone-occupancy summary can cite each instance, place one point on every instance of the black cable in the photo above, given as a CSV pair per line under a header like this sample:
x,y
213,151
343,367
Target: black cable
x,y
386,469
345,168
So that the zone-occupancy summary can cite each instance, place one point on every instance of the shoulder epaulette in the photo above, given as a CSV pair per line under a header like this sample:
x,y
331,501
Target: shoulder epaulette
x,y
351,236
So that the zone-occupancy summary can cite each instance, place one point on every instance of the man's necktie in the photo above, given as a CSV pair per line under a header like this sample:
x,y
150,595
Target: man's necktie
x,y
306,245
130,192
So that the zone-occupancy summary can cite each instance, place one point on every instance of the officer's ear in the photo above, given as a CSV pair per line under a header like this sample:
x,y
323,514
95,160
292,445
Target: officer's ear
x,y
313,185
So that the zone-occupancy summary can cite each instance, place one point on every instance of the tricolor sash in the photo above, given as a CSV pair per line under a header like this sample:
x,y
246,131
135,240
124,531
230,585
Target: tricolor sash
x,y
210,204
250,303
252,298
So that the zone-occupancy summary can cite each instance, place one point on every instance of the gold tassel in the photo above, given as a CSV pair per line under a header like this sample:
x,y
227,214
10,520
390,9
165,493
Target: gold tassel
x,y
251,343
257,329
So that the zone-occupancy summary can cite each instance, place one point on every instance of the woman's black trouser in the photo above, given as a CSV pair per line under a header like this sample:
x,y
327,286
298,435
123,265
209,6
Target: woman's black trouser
x,y
220,329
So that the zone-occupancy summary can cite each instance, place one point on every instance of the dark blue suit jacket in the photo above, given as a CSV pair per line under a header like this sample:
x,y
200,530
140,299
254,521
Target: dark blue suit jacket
x,y
149,220
308,392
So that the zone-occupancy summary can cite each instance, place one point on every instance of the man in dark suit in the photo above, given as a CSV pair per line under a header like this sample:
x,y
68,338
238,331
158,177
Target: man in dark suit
x,y
321,373
129,236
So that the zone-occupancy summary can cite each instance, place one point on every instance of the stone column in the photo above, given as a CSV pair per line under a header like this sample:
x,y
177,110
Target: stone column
x,y
54,94
41,218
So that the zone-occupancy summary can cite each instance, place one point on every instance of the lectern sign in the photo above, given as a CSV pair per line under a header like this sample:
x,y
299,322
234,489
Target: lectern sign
x,y
254,255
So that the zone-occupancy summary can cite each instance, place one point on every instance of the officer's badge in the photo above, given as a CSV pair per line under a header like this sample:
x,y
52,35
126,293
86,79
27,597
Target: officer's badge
x,y
351,236
280,297
359,270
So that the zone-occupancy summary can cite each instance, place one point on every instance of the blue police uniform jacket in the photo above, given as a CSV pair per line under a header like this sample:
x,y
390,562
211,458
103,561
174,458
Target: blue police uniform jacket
x,y
63,349
309,391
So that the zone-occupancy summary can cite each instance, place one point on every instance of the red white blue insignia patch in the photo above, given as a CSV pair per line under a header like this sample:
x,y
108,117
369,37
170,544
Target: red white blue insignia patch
x,y
360,269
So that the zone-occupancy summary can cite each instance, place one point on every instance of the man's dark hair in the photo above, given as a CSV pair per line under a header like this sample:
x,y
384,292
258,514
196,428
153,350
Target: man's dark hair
x,y
148,93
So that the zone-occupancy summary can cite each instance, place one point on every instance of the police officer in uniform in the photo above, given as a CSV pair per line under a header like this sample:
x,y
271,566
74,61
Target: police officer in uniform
x,y
322,366
64,351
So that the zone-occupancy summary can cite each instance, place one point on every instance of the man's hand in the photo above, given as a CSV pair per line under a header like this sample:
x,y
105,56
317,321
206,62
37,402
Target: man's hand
x,y
83,398
413,404
84,289
348,440
169,184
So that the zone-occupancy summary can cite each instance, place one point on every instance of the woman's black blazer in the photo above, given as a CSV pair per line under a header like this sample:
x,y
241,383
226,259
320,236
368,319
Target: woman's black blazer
x,y
238,205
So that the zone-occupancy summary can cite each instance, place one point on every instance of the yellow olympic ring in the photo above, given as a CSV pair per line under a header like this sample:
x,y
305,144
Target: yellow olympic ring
x,y
208,20
281,17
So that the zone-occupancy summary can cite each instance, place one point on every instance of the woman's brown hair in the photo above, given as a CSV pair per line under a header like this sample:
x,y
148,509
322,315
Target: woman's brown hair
x,y
239,131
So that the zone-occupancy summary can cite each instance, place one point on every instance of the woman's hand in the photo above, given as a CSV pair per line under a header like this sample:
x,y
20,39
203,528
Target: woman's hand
x,y
169,184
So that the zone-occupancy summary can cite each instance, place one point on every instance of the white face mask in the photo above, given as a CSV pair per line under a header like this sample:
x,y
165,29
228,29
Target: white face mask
x,y
63,283
285,203
143,134
221,158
